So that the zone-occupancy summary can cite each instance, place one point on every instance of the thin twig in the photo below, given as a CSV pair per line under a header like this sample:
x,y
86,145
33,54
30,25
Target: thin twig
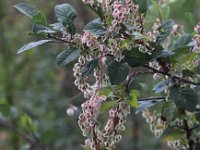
x,y
58,39
172,76
187,131
194,127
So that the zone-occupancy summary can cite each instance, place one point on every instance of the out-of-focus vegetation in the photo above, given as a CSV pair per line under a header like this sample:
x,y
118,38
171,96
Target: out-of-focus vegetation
x,y
35,92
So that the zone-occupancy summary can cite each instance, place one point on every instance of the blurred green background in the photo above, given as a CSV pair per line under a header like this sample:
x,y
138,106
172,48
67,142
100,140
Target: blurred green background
x,y
35,92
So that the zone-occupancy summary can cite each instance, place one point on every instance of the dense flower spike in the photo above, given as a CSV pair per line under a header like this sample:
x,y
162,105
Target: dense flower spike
x,y
196,39
112,52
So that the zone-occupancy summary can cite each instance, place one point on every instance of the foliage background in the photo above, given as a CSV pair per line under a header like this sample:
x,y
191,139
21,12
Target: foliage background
x,y
35,92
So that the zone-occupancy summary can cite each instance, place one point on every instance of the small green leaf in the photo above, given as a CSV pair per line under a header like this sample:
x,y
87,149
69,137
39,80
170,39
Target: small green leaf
x,y
136,58
95,27
134,94
107,105
165,30
184,98
190,18
40,18
146,104
165,12
104,91
67,56
65,13
32,45
39,28
118,72
89,67
162,86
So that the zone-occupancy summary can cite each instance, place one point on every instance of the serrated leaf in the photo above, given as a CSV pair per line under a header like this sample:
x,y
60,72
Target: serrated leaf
x,y
89,67
134,94
184,98
95,27
32,45
65,13
162,86
67,56
39,28
164,31
32,12
118,72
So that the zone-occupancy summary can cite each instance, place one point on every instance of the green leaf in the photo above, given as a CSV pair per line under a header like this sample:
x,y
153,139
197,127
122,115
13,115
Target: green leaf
x,y
118,72
162,86
182,42
95,27
190,18
136,58
138,35
32,12
32,45
104,91
182,47
184,98
27,9
107,105
162,54
65,13
134,94
26,122
40,18
165,12
39,28
164,31
89,67
67,56
142,5
146,104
